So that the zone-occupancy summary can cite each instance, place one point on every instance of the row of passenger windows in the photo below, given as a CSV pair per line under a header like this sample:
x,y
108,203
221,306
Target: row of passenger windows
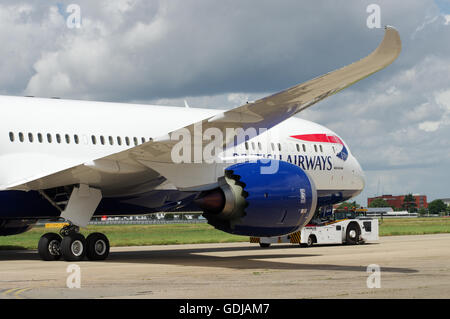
x,y
128,141
278,146
68,139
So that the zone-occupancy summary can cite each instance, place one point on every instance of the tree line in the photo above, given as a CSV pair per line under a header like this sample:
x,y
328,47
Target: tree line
x,y
436,207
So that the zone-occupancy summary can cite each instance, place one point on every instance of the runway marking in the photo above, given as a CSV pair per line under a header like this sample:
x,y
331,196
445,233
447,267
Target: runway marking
x,y
14,292
9,291
18,293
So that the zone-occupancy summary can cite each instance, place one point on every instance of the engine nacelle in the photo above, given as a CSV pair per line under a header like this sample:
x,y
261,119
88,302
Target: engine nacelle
x,y
252,202
15,227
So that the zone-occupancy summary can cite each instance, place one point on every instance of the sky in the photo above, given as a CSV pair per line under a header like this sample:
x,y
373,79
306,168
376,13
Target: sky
x,y
220,54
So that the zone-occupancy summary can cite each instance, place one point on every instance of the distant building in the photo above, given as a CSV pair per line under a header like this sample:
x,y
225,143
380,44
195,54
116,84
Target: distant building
x,y
397,201
379,210
387,211
446,201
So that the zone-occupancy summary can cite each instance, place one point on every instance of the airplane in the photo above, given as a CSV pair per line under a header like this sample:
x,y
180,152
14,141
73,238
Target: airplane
x,y
254,170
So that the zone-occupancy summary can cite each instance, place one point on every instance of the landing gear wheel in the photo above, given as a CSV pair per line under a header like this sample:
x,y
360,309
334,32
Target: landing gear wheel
x,y
49,247
97,246
73,247
264,245
352,234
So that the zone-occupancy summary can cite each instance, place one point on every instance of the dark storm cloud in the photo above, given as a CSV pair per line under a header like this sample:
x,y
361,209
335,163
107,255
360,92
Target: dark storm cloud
x,y
222,53
128,50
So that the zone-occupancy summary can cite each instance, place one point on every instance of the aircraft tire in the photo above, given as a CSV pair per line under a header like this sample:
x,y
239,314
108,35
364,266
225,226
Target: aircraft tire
x,y
97,246
49,247
73,247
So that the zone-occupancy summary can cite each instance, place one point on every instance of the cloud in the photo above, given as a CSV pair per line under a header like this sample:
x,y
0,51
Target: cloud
x,y
447,19
238,98
429,126
443,99
129,50
221,54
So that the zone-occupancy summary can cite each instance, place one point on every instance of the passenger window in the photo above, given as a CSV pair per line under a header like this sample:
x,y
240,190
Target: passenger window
x,y
111,140
102,139
143,140
246,146
304,147
11,136
58,138
39,137
21,137
94,140
75,138
315,148
273,146
321,149
135,141
127,140
119,140
49,137
259,146
279,147
30,137
67,139
298,147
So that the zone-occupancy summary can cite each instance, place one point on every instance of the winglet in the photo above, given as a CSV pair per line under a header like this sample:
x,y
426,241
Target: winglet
x,y
390,47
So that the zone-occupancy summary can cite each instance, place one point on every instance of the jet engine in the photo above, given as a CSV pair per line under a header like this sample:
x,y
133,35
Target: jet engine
x,y
262,198
15,227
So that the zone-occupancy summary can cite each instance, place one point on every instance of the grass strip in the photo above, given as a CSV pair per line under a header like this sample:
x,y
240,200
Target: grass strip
x,y
168,234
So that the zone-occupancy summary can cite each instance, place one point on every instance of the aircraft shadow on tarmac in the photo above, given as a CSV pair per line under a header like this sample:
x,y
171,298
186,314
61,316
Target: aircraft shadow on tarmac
x,y
268,259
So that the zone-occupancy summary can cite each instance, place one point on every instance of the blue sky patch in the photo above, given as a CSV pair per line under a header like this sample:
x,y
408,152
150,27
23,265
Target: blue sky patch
x,y
443,5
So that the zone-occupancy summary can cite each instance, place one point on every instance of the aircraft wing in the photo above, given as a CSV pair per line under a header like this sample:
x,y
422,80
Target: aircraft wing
x,y
261,114
270,111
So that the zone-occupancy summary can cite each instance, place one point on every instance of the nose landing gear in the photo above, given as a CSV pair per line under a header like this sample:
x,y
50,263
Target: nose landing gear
x,y
73,246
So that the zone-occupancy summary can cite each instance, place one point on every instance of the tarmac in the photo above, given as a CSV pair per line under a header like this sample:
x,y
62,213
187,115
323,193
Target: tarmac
x,y
409,267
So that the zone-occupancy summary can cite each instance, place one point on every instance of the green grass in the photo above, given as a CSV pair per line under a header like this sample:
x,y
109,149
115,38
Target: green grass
x,y
133,235
138,235
414,226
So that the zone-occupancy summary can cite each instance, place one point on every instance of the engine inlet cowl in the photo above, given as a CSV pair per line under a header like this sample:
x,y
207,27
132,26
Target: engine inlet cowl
x,y
251,203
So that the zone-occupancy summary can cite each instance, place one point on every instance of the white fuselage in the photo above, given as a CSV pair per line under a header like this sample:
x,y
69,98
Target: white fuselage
x,y
41,136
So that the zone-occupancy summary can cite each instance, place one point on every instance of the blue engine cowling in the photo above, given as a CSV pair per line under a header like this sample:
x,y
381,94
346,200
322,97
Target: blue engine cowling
x,y
251,203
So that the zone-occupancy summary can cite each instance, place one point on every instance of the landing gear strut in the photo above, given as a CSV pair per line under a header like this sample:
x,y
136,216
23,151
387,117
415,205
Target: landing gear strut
x,y
70,244
73,246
